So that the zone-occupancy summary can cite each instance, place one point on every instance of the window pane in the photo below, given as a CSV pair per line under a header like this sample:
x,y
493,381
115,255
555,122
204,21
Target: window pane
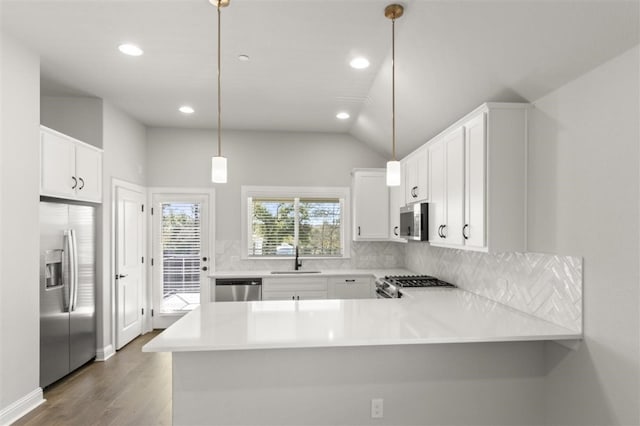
x,y
181,237
273,227
319,227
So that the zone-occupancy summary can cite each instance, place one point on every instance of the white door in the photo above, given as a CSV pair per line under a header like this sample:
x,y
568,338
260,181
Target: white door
x,y
180,255
437,207
454,195
474,205
129,265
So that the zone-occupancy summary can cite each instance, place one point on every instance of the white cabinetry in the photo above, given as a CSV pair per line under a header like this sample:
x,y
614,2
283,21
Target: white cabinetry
x,y
350,287
477,172
416,177
396,200
69,168
294,288
370,205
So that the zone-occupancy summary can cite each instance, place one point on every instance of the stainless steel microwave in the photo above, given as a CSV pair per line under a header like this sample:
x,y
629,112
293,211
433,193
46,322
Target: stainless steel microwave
x,y
414,222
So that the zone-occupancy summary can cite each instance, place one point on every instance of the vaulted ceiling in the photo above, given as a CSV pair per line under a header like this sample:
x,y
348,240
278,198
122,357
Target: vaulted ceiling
x,y
450,56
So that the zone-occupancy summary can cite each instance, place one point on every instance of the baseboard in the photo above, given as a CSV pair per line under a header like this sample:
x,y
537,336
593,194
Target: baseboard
x,y
21,407
105,353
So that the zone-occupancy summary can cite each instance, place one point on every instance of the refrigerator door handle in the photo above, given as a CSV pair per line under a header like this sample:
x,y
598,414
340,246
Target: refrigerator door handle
x,y
66,271
73,257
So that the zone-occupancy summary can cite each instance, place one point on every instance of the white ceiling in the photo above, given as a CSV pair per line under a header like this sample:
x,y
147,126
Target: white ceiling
x,y
450,57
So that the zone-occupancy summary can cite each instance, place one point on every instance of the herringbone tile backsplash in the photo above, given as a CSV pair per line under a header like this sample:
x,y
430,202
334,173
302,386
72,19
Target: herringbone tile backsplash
x,y
547,286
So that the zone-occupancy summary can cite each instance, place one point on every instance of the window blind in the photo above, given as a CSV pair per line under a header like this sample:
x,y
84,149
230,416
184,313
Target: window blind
x,y
278,225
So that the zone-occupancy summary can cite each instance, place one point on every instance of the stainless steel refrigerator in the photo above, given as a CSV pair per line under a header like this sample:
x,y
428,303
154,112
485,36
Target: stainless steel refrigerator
x,y
67,289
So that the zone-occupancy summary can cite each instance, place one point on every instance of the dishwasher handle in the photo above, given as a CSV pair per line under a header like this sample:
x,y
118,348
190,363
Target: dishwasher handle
x,y
238,281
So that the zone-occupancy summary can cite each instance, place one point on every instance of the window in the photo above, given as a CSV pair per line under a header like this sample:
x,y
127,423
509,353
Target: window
x,y
279,219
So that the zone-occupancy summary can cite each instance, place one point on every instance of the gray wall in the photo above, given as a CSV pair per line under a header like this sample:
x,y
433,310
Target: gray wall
x,y
78,117
583,200
182,158
19,255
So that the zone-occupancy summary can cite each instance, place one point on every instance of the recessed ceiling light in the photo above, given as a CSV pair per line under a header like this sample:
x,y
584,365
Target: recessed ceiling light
x,y
359,63
342,115
243,58
186,109
130,49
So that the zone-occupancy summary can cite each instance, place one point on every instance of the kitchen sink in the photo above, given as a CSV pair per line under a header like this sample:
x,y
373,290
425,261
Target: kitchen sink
x,y
294,272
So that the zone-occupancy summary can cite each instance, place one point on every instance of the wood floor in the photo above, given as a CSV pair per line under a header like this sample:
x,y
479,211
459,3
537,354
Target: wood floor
x,y
130,388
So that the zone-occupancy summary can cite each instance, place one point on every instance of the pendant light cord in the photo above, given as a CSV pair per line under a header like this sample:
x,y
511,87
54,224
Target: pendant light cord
x,y
219,95
393,88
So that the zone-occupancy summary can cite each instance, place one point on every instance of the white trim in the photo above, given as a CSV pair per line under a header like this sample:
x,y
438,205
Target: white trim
x,y
341,192
21,407
165,320
103,354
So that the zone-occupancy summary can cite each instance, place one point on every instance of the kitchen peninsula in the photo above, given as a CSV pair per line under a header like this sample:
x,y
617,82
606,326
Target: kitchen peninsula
x,y
271,362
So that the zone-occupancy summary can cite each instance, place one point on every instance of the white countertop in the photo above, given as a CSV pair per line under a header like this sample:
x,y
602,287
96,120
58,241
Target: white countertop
x,y
425,316
324,273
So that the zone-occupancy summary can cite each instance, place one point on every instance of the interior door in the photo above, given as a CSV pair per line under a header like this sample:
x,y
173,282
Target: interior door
x,y
180,255
129,265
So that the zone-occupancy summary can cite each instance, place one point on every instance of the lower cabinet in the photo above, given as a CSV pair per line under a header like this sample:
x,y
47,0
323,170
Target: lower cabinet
x,y
308,288
351,288
294,288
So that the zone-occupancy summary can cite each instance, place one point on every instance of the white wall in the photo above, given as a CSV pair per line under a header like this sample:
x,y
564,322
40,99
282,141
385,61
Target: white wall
x,y
583,200
124,158
19,228
179,157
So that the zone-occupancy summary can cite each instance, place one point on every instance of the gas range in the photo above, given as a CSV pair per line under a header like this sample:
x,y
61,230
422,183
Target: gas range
x,y
389,286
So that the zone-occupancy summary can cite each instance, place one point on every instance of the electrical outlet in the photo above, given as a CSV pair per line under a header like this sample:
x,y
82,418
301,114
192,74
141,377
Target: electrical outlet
x,y
376,408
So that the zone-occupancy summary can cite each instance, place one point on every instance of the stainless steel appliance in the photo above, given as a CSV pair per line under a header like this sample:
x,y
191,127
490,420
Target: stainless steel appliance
x,y
414,222
238,289
389,287
67,289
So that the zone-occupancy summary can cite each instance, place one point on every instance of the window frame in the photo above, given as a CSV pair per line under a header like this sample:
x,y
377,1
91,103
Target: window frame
x,y
340,192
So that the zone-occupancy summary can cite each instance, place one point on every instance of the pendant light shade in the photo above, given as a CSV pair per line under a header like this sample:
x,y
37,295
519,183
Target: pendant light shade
x,y
219,163
393,12
393,173
219,169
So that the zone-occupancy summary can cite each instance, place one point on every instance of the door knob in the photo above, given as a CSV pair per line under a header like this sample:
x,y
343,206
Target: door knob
x,y
204,268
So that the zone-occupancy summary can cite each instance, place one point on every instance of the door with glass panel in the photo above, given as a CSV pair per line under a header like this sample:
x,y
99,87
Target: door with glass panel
x,y
180,255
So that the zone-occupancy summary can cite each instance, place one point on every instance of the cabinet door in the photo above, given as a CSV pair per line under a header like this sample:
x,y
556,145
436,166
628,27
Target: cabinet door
x,y
454,195
395,202
57,166
475,182
437,207
411,179
351,288
371,206
311,295
278,295
88,173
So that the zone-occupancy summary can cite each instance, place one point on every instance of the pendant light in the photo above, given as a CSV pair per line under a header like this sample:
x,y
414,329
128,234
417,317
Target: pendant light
x,y
393,12
219,163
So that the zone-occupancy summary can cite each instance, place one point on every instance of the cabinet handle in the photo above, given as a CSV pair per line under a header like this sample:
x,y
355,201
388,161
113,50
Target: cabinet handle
x,y
293,298
82,182
464,234
395,231
350,281
75,182
444,228
298,297
414,192
358,231
440,231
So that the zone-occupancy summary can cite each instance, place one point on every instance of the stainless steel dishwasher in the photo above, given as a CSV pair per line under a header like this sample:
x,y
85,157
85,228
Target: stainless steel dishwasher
x,y
238,289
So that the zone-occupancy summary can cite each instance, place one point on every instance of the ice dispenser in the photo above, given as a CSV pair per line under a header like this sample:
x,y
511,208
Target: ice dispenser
x,y
53,268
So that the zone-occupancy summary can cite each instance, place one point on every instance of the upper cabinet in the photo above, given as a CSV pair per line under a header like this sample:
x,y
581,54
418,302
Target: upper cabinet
x,y
69,168
396,200
477,175
415,176
370,205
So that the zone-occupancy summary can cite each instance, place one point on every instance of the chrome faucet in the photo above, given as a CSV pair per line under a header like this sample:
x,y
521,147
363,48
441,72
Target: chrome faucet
x,y
297,263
